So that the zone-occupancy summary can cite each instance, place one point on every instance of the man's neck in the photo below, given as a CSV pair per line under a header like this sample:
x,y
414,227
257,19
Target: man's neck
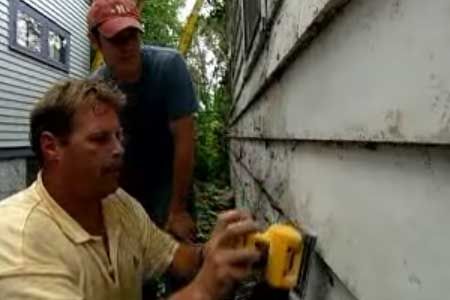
x,y
87,211
132,77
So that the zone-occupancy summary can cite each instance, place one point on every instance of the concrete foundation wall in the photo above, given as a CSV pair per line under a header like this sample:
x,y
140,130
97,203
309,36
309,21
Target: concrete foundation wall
x,y
12,176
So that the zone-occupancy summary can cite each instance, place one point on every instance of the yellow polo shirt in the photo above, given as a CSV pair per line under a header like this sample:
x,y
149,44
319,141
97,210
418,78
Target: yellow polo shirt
x,y
46,255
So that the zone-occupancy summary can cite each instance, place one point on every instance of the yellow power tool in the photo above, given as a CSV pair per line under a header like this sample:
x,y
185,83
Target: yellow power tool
x,y
286,251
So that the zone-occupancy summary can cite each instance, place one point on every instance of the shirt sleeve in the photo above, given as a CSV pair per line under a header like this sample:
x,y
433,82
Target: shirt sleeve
x,y
180,95
38,283
158,247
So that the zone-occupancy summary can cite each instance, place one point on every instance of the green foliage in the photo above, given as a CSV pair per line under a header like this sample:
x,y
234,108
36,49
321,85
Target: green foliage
x,y
208,63
161,24
212,146
210,200
208,60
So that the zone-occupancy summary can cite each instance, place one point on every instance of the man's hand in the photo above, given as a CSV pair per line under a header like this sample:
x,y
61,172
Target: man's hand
x,y
181,225
224,263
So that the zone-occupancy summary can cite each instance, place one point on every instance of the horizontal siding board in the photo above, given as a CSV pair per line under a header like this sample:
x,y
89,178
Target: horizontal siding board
x,y
26,66
6,78
74,12
79,68
10,102
13,128
291,28
4,17
354,197
14,120
15,113
23,79
14,144
16,105
18,91
13,136
328,94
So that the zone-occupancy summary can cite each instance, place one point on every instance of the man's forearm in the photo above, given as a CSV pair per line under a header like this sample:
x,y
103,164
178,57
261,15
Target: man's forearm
x,y
191,292
182,175
187,261
183,164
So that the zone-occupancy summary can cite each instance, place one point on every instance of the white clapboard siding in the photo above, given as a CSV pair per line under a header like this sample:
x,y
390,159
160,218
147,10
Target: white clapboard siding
x,y
23,80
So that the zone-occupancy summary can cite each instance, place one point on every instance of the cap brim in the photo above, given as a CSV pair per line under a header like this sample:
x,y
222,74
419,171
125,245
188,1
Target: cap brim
x,y
112,27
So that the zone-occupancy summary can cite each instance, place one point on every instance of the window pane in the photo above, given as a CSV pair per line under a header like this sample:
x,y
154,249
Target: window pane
x,y
57,47
28,32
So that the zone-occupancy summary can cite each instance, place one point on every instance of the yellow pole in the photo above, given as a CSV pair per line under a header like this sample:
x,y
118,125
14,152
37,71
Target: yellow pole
x,y
189,28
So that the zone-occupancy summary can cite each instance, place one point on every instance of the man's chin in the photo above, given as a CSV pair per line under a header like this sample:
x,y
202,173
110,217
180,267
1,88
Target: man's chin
x,y
108,191
128,74
109,186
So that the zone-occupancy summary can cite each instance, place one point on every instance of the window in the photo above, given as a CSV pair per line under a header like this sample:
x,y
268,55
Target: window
x,y
57,45
34,35
29,32
252,18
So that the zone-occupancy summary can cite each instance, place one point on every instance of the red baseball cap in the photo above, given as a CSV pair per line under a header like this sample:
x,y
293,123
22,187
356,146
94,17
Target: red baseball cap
x,y
112,16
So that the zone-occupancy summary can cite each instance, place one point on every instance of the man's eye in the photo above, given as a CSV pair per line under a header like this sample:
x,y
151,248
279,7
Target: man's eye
x,y
103,138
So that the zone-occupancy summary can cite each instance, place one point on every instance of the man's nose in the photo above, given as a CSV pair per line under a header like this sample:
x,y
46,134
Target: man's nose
x,y
118,147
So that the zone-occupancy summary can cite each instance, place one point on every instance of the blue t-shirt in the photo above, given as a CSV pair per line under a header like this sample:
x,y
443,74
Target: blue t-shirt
x,y
164,93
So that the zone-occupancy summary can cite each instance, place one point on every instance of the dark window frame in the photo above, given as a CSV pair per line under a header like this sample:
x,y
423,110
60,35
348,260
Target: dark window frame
x,y
47,25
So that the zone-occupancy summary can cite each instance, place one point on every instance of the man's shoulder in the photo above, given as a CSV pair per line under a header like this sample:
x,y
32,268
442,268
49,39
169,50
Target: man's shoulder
x,y
16,209
127,207
26,227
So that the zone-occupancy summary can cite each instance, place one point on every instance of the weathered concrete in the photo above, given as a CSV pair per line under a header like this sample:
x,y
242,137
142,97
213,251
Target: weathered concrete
x,y
380,213
12,176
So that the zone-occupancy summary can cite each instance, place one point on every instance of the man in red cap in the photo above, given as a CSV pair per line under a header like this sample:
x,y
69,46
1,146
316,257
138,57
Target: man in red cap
x,y
158,119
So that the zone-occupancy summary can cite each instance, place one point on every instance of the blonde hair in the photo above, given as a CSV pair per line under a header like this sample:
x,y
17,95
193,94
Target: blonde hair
x,y
55,111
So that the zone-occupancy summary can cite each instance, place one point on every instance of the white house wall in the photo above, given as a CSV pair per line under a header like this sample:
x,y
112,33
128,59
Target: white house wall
x,y
23,79
349,133
377,73
381,214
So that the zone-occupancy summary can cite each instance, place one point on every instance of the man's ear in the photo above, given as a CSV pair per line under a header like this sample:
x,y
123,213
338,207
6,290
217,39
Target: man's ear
x,y
50,147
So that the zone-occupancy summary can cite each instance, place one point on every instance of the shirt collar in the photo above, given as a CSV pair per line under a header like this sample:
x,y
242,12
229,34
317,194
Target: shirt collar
x,y
68,225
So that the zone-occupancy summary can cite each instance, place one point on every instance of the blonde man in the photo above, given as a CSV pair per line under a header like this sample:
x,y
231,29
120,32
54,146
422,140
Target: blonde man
x,y
73,234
